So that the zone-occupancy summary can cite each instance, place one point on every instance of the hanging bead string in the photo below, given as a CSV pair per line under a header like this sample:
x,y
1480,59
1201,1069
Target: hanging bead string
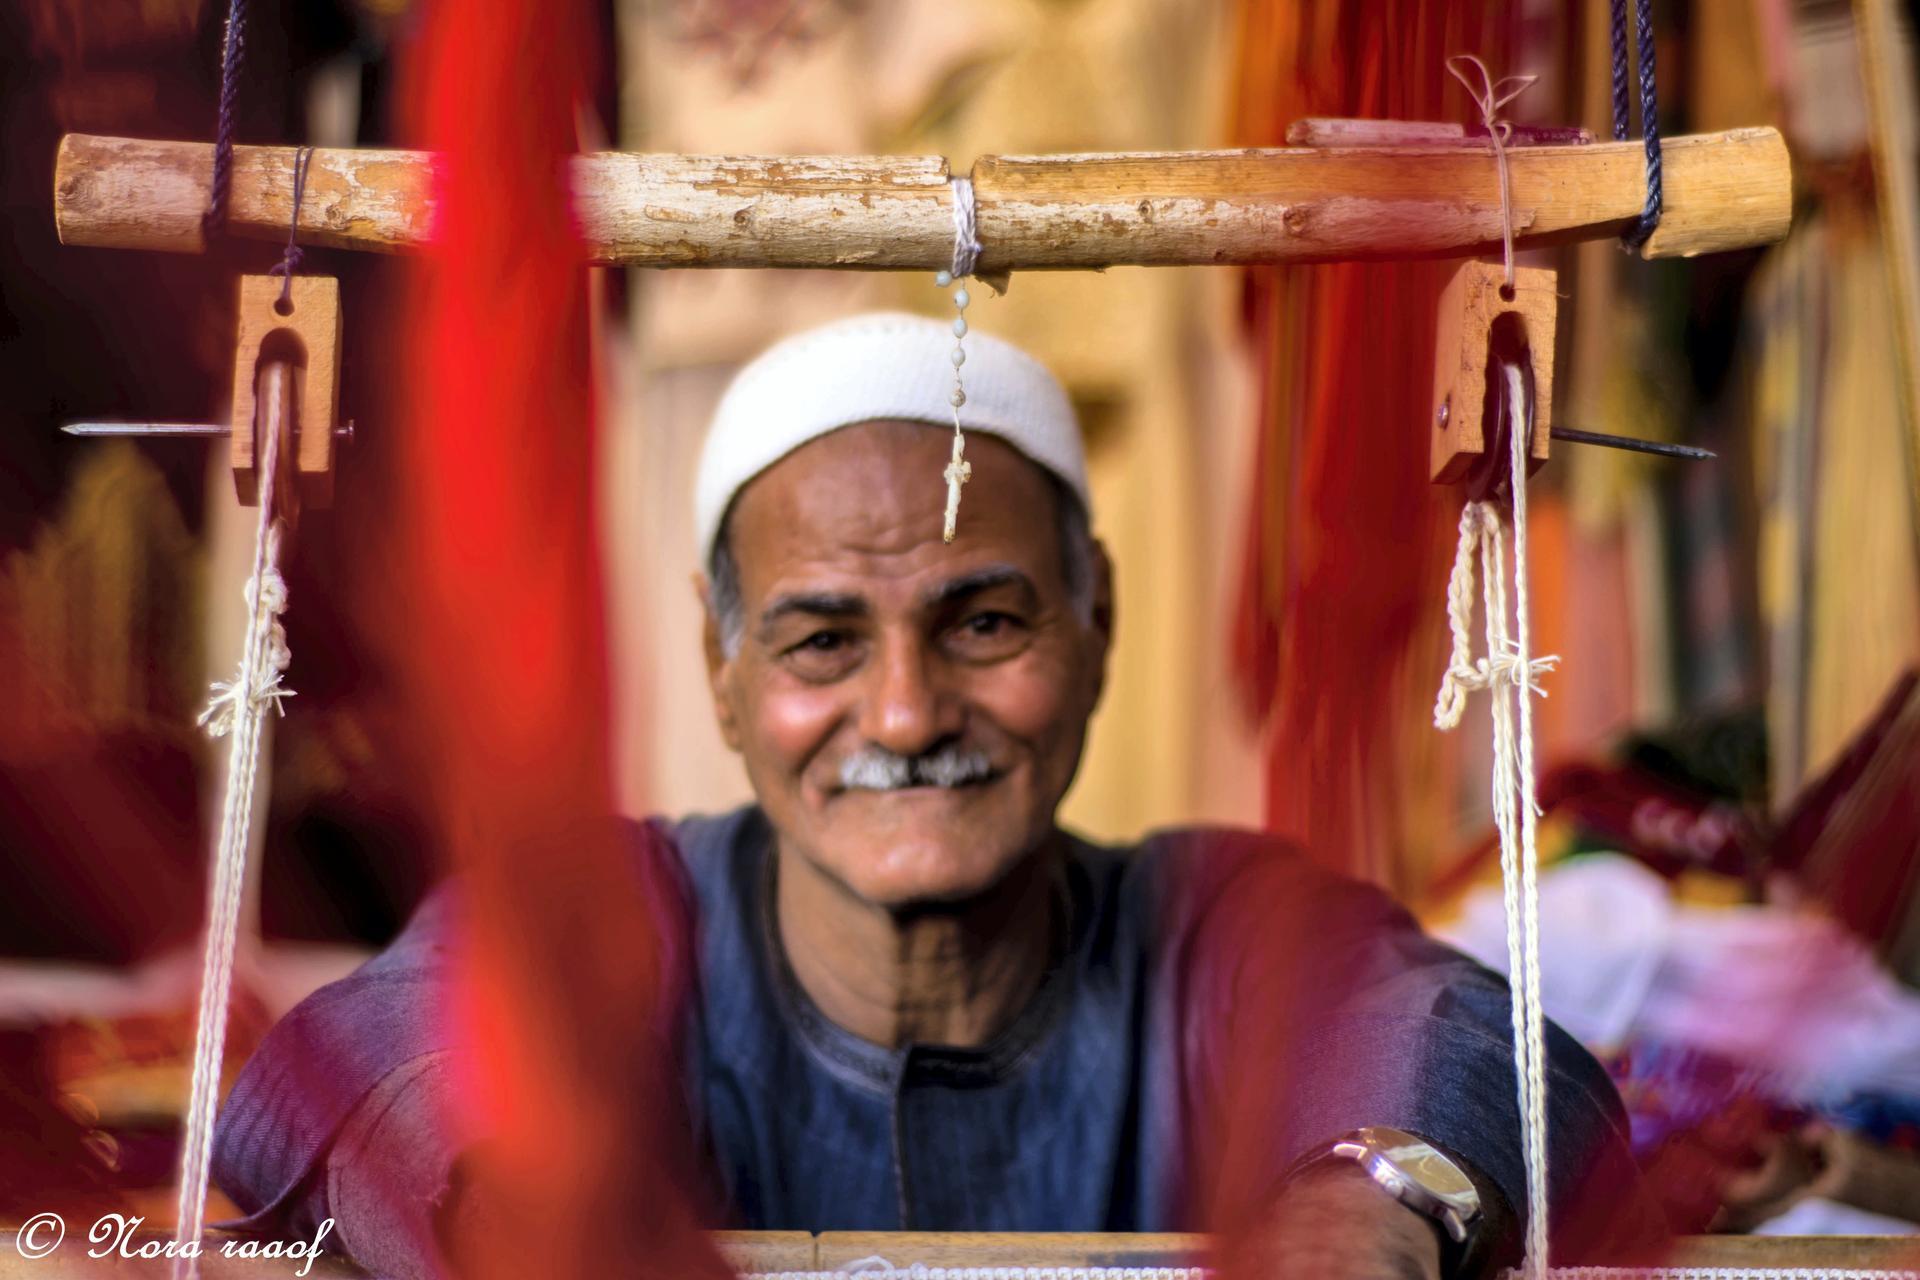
x,y
233,47
291,256
1649,108
966,256
1490,97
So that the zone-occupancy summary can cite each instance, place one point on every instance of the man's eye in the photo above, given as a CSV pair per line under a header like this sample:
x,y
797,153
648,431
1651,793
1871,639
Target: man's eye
x,y
822,656
820,642
989,635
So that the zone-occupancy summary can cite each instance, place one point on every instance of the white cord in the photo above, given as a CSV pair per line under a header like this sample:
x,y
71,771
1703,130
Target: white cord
x,y
966,236
238,709
1510,673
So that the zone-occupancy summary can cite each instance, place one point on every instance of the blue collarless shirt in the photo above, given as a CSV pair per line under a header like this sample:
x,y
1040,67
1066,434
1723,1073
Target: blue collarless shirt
x,y
1046,1128
1088,1113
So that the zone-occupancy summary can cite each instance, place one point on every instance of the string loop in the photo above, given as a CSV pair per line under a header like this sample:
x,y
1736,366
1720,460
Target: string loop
x,y
1649,108
291,256
1490,97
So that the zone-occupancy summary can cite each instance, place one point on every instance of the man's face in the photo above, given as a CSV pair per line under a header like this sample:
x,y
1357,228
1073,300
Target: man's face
x,y
864,632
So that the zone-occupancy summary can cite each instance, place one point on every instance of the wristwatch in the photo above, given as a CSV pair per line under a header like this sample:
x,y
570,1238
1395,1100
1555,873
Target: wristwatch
x,y
1414,1172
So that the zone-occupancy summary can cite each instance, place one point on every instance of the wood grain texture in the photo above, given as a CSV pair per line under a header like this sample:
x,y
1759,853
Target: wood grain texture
x,y
1294,204
307,338
1010,1249
767,1250
1469,305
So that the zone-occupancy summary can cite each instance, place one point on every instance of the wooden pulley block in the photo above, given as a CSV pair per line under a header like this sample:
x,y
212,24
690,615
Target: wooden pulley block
x,y
1485,330
286,377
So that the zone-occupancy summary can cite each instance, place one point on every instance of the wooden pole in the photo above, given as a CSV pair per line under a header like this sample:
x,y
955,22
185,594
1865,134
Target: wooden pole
x,y
1296,204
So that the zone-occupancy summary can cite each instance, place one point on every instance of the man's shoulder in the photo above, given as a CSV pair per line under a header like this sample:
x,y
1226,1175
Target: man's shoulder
x,y
1190,872
1208,858
715,855
707,837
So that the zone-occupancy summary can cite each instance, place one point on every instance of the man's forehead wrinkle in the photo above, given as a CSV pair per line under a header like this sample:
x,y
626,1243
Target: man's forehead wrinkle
x,y
836,518
814,604
860,511
974,581
839,604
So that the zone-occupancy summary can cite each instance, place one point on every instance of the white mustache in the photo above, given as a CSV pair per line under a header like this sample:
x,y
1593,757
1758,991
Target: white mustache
x,y
877,769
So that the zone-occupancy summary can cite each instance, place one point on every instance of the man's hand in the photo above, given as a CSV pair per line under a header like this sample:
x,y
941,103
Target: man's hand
x,y
1333,1223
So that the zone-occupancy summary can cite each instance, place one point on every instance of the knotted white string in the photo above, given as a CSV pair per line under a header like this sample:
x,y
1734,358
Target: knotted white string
x,y
1490,97
966,236
1510,674
238,708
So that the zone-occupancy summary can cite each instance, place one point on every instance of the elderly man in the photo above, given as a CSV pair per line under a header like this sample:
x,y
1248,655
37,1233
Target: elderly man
x,y
921,1004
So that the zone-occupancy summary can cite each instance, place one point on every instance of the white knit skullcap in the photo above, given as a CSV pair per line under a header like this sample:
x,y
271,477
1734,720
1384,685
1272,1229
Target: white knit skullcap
x,y
883,365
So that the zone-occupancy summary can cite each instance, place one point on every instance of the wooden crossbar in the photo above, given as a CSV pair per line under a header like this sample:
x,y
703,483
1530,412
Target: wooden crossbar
x,y
1295,204
767,1251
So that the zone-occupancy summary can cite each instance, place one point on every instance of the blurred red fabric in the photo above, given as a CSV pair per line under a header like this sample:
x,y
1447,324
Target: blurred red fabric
x,y
1346,547
498,617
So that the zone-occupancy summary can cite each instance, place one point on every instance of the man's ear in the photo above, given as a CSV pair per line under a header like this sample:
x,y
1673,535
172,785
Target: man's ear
x,y
1103,615
719,666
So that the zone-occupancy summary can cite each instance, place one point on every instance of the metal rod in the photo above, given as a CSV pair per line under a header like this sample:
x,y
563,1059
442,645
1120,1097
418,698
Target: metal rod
x,y
170,429
145,429
1628,443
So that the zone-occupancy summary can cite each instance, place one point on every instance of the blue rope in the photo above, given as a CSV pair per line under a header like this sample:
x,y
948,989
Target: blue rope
x,y
1619,33
1649,108
233,48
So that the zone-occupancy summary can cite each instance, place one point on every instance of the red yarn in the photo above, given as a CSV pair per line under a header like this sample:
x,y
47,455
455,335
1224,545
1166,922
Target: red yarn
x,y
571,975
1346,544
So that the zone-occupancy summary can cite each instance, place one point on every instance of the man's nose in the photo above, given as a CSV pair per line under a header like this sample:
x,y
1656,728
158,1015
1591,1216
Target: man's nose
x,y
906,709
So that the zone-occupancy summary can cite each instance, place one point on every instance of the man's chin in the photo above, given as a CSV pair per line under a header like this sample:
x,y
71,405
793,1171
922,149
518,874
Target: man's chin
x,y
921,846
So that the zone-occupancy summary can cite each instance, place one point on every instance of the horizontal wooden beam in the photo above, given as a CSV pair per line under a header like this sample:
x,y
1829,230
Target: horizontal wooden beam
x,y
772,1251
1295,204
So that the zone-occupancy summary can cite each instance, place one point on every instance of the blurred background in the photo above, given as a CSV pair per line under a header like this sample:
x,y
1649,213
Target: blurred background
x,y
1730,748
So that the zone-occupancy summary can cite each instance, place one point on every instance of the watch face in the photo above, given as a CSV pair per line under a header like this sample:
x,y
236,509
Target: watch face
x,y
1416,1161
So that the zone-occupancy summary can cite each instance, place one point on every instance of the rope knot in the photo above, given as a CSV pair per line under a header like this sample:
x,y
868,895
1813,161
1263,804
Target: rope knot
x,y
257,684
293,255
1482,532
1492,94
1508,667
